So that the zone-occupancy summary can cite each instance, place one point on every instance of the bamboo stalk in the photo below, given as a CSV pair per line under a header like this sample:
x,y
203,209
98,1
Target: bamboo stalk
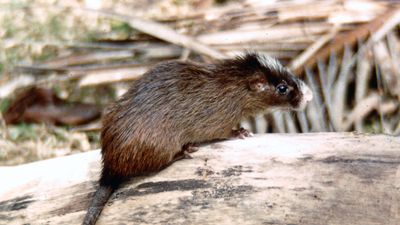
x,y
278,122
291,127
303,122
261,124
389,77
326,92
319,120
340,88
362,77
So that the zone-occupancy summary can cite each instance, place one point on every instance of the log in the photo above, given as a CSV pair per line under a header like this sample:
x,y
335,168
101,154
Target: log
x,y
311,179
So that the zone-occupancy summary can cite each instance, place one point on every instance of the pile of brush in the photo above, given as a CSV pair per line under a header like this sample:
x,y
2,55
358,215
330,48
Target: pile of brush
x,y
347,51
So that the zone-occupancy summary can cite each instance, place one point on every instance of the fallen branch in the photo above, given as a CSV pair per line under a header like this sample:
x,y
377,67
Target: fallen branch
x,y
163,32
112,76
271,179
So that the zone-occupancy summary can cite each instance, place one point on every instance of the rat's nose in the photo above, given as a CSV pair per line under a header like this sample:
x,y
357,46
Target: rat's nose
x,y
307,93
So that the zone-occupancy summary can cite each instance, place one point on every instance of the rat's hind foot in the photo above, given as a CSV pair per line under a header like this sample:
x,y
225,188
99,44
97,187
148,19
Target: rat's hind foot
x,y
241,133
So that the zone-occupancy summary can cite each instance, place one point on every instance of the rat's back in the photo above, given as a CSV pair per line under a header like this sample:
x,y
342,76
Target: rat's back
x,y
179,99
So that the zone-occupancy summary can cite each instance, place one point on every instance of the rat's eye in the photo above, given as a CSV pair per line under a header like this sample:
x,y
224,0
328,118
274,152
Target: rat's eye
x,y
282,89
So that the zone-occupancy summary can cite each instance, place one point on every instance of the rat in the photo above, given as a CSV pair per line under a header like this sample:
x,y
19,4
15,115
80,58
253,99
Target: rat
x,y
178,104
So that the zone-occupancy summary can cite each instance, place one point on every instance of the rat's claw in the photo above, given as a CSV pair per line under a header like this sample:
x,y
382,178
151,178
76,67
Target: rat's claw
x,y
186,155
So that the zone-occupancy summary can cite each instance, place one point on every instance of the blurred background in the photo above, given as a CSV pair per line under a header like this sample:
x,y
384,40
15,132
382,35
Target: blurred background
x,y
63,62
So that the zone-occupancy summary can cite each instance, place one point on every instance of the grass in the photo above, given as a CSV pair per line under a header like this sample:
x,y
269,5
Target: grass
x,y
31,142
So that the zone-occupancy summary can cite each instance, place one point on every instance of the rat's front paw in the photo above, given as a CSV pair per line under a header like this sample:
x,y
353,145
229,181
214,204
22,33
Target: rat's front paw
x,y
190,148
241,133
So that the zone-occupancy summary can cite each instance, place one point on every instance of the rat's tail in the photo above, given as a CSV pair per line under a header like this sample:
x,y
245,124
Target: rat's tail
x,y
100,198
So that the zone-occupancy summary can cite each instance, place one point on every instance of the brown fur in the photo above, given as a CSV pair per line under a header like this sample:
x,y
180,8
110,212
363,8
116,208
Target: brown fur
x,y
178,103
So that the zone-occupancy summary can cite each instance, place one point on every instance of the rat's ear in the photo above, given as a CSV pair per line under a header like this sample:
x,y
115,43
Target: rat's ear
x,y
258,84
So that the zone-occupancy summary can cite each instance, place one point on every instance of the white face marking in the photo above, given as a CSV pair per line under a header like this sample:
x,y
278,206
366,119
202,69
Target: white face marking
x,y
269,62
307,95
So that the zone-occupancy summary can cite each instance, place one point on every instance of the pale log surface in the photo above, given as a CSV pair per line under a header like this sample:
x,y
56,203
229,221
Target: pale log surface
x,y
310,179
